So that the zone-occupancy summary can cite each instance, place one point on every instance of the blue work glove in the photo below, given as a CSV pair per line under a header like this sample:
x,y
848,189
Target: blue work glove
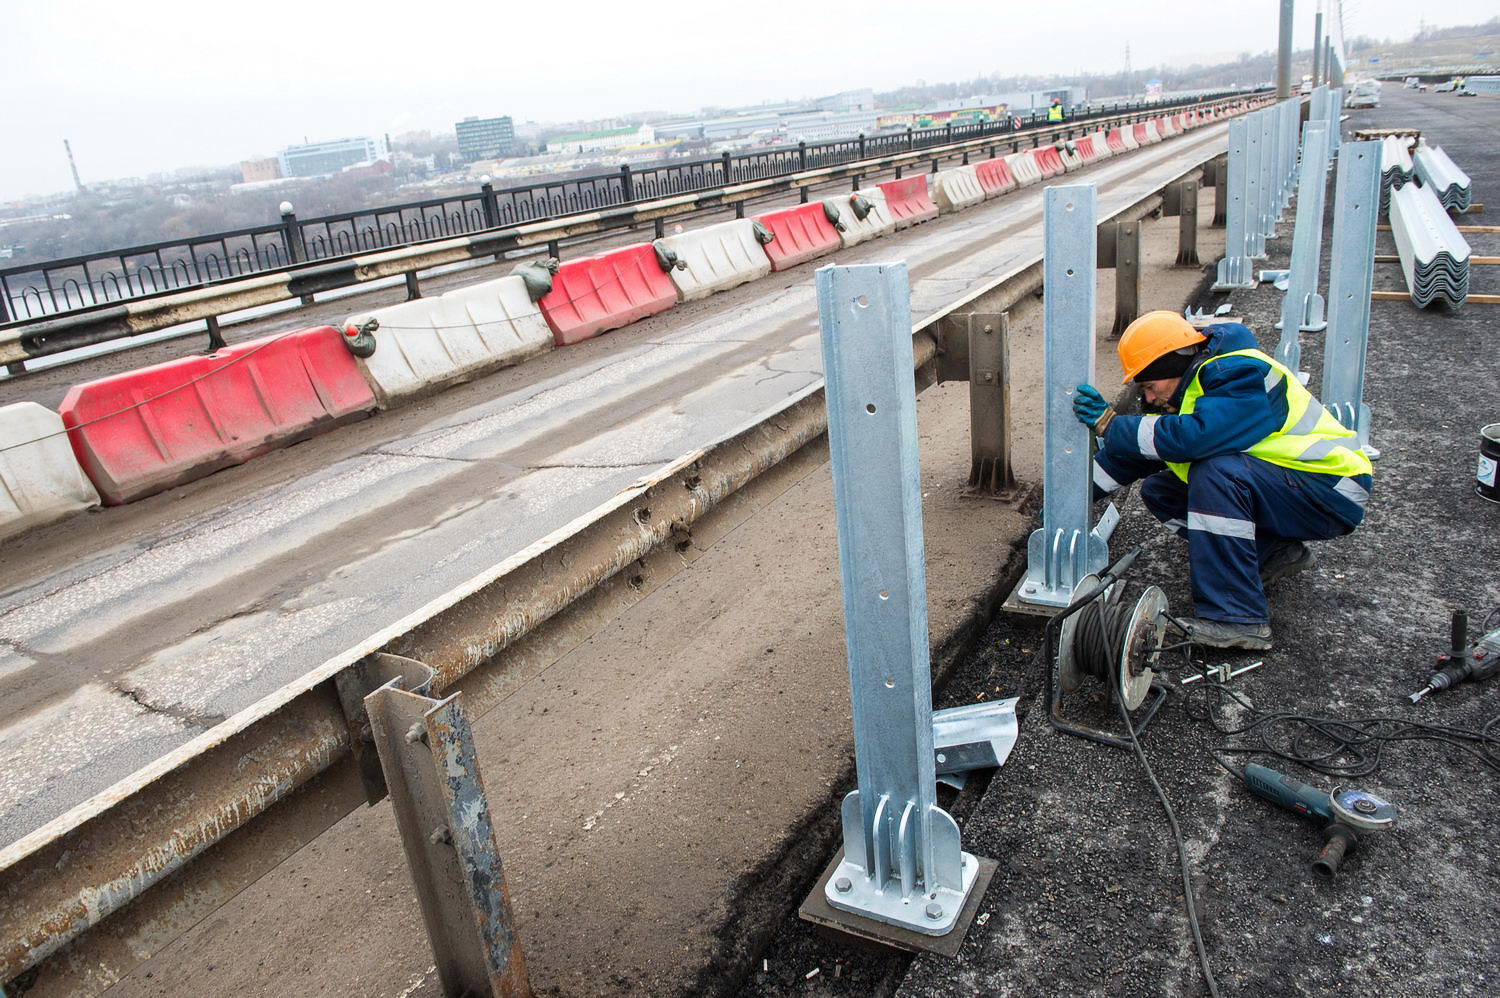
x,y
1091,409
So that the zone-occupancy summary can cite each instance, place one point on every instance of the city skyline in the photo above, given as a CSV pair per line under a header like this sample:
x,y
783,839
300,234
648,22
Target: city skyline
x,y
297,71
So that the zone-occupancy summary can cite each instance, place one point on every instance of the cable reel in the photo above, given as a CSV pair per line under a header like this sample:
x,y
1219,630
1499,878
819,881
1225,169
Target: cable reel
x,y
1105,636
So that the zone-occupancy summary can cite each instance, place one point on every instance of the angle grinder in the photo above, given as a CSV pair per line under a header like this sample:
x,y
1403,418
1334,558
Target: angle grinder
x,y
1344,813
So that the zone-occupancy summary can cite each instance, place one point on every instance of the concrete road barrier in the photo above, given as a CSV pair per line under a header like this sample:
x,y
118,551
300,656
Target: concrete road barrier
x,y
995,177
854,230
424,345
1024,168
909,201
1153,133
957,189
595,294
800,234
1071,156
144,431
1140,135
40,479
714,258
1116,141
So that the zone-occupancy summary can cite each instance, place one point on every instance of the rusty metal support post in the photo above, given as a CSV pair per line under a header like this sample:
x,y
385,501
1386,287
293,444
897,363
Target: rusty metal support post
x,y
1221,192
413,286
427,754
1182,200
739,209
1119,247
989,405
215,337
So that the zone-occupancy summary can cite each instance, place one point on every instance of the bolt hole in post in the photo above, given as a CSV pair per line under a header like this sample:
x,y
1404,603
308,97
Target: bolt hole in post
x,y
870,408
890,684
863,301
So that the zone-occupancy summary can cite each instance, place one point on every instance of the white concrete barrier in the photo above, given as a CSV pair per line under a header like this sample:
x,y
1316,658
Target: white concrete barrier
x,y
956,189
1127,136
1100,139
1153,134
425,345
714,258
1023,167
40,480
852,229
1072,159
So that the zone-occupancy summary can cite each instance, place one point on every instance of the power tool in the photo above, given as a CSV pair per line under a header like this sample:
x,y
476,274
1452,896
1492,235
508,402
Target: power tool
x,y
1344,813
1463,662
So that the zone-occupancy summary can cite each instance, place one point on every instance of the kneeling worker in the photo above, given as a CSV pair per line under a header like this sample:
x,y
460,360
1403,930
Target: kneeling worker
x,y
1246,464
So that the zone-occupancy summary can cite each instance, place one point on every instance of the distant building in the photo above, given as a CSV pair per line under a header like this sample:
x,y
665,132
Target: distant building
x,y
614,138
318,159
485,138
254,171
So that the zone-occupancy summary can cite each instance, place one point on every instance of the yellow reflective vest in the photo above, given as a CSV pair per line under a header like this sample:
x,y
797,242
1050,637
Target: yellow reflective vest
x,y
1054,113
1310,439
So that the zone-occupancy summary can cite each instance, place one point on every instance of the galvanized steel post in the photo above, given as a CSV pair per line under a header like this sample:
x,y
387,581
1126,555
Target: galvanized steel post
x,y
1236,270
1284,52
1356,207
902,862
1302,307
1255,237
1269,214
1068,546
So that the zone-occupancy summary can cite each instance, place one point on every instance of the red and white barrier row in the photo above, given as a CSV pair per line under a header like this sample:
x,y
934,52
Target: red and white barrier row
x,y
130,435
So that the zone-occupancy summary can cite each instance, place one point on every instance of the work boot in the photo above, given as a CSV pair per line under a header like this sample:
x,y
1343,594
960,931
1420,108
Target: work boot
x,y
1286,561
1223,634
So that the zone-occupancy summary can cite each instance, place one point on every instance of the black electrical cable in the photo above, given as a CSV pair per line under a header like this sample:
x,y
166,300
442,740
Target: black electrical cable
x,y
1182,857
1333,746
1098,637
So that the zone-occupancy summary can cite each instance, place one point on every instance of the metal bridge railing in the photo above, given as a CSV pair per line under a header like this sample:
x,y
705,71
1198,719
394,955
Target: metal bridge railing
x,y
57,287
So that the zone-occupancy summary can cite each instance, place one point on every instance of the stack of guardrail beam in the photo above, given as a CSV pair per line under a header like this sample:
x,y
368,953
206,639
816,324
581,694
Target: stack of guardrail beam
x,y
1395,168
1483,84
1434,257
1451,185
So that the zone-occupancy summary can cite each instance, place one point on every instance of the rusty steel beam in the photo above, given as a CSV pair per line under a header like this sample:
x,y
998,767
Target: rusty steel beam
x,y
103,887
20,342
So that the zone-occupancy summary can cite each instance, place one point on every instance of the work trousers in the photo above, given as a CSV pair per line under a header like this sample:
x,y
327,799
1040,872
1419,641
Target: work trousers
x,y
1234,511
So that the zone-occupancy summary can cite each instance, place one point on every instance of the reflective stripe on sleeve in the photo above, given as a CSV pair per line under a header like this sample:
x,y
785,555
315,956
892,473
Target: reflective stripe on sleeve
x,y
1224,526
1176,524
1352,490
1309,420
1103,480
1318,449
1145,436
1273,378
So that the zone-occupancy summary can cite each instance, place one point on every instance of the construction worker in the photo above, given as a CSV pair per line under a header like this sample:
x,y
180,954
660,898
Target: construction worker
x,y
1244,463
1055,112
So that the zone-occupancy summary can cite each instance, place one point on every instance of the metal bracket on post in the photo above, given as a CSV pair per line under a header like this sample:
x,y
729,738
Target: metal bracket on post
x,y
1181,199
1302,307
427,756
1356,205
902,864
1068,546
1119,249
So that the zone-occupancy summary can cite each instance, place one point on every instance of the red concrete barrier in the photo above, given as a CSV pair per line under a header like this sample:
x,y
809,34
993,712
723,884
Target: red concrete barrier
x,y
143,431
994,176
1141,137
599,293
909,200
1116,141
802,233
1086,150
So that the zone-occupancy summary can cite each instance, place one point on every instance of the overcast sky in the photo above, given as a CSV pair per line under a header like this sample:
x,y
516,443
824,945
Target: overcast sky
x,y
141,87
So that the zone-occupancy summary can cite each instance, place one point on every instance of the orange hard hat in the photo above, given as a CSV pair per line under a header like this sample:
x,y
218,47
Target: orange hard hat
x,y
1154,335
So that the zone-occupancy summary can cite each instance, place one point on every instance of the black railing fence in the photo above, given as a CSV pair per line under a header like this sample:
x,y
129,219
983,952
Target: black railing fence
x,y
31,291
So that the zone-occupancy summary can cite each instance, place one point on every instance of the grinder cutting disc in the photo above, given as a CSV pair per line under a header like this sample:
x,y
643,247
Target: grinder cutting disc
x,y
1364,812
1146,628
